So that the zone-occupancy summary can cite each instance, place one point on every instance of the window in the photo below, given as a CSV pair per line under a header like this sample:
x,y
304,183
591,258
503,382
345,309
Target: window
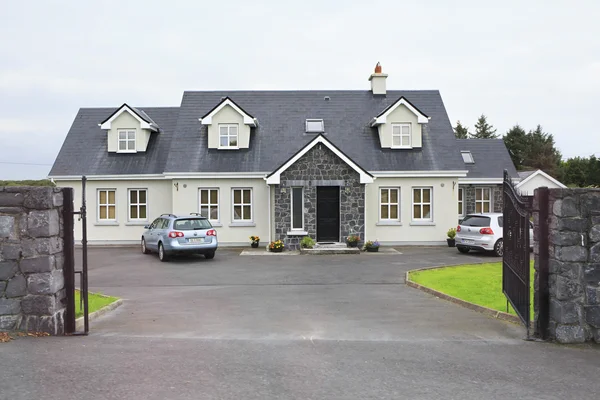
x,y
107,206
467,157
483,200
422,204
190,224
461,202
126,141
138,204
401,135
389,200
476,221
297,209
209,204
242,204
315,126
228,136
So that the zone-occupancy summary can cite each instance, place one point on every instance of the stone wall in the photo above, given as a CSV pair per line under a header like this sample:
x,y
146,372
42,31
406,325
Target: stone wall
x,y
469,193
32,295
319,167
574,263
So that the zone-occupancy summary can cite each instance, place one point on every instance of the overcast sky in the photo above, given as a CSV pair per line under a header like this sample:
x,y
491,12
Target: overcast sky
x,y
527,62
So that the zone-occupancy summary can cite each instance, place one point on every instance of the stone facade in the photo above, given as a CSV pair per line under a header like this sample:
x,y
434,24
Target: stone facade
x,y
574,263
319,167
470,196
32,295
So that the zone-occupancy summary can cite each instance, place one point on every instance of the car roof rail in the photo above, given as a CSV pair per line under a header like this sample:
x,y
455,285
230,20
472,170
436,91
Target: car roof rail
x,y
170,215
198,215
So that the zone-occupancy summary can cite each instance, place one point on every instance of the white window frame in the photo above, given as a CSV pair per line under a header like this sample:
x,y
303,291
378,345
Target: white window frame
x,y
107,205
467,157
389,203
422,203
461,201
242,204
209,204
292,209
127,140
229,136
400,135
138,204
482,201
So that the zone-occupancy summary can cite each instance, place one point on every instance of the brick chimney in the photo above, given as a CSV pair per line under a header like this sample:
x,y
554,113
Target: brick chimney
x,y
377,79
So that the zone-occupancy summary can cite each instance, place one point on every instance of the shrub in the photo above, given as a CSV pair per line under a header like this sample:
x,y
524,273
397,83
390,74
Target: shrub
x,y
451,233
307,242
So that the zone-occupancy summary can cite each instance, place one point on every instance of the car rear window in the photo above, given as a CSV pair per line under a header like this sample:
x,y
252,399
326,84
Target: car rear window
x,y
500,222
190,224
476,220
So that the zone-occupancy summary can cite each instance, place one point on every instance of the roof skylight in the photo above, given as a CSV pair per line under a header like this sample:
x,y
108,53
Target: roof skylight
x,y
467,157
315,126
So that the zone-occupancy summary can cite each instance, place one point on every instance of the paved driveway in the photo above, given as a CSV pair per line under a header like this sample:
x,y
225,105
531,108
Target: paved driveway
x,y
290,327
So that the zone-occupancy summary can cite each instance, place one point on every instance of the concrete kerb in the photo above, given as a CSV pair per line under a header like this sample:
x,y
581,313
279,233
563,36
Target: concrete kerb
x,y
79,323
503,316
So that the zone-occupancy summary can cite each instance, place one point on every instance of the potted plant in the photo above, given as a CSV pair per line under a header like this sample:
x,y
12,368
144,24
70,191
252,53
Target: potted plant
x,y
307,242
352,241
371,246
254,241
451,235
276,246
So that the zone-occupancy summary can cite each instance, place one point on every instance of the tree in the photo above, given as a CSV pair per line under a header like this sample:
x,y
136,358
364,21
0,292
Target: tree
x,y
483,130
541,152
516,143
461,131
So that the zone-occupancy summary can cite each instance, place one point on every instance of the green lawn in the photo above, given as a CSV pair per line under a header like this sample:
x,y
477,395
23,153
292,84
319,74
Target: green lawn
x,y
478,283
96,302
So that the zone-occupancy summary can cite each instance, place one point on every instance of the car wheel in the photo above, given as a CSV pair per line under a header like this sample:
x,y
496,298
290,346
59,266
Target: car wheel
x,y
209,256
462,249
499,248
162,256
144,248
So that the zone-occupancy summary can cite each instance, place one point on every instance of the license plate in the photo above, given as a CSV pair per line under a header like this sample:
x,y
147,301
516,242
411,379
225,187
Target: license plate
x,y
197,240
468,241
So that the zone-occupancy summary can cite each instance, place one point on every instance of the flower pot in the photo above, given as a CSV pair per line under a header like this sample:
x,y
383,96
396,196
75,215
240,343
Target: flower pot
x,y
372,249
352,244
254,245
277,250
451,242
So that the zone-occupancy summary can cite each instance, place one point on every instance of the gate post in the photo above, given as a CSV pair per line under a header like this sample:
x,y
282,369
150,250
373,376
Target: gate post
x,y
69,259
541,264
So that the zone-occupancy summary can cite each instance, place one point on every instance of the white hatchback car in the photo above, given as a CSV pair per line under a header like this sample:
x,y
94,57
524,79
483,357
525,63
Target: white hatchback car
x,y
483,232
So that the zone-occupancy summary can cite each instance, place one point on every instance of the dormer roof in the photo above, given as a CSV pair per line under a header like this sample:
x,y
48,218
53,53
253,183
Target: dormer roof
x,y
248,119
145,121
382,117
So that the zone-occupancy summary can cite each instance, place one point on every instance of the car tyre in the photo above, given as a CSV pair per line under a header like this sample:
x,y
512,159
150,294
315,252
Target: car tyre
x,y
499,248
162,255
209,256
462,249
144,248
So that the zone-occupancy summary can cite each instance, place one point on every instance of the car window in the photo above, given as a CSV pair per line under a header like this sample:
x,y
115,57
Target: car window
x,y
155,223
476,220
190,224
500,221
162,224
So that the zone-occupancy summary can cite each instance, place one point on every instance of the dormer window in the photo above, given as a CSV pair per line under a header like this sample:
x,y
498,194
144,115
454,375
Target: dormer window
x,y
467,157
228,136
401,134
126,141
315,126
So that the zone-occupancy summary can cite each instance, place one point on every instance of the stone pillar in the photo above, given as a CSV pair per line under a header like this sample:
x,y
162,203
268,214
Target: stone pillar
x,y
32,296
574,264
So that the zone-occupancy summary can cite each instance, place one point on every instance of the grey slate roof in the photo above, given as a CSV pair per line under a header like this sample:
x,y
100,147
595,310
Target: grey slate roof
x,y
491,158
525,174
84,151
281,117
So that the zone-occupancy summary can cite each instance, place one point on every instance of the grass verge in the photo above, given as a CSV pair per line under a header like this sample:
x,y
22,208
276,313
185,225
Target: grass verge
x,y
476,283
96,302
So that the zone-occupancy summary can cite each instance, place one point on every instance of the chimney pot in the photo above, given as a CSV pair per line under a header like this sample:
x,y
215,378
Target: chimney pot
x,y
378,68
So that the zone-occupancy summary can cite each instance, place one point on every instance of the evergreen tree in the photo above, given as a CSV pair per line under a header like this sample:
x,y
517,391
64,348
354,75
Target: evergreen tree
x,y
541,152
516,143
461,131
483,130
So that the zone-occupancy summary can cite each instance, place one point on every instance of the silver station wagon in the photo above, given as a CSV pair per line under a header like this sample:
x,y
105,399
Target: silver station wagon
x,y
170,235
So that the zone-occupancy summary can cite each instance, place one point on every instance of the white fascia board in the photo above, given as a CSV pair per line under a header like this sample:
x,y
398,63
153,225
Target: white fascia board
x,y
421,119
137,177
248,120
545,175
481,181
143,124
418,174
275,178
215,175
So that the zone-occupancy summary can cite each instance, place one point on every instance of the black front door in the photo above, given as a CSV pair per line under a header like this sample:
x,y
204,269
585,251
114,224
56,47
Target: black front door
x,y
328,213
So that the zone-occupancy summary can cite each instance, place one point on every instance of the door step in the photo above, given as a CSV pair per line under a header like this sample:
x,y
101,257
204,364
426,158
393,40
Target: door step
x,y
324,248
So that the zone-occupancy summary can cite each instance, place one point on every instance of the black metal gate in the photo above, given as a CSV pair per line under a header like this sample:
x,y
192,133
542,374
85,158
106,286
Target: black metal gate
x,y
69,267
515,261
